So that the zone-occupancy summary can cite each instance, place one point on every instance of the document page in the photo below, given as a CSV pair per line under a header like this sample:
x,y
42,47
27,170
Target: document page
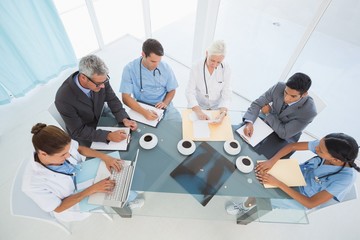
x,y
140,118
261,131
122,146
288,171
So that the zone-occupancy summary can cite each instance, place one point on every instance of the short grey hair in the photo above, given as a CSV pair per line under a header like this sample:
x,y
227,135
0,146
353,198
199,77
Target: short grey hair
x,y
217,48
92,64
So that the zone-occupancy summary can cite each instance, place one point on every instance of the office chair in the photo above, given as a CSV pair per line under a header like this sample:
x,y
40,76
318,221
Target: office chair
x,y
23,206
351,195
319,103
56,115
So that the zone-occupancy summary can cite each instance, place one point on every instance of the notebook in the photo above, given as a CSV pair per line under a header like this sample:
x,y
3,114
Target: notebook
x,y
140,118
288,171
120,146
261,131
120,194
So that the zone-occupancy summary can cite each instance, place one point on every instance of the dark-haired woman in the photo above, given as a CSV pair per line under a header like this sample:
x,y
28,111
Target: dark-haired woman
x,y
49,178
330,174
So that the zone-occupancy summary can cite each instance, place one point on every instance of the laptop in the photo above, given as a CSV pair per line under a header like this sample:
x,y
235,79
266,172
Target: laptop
x,y
118,197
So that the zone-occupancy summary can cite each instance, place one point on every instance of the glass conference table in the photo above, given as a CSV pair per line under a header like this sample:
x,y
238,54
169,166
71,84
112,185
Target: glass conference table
x,y
165,197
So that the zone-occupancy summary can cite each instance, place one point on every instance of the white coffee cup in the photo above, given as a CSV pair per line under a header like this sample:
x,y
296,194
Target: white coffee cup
x,y
186,147
148,141
244,164
232,147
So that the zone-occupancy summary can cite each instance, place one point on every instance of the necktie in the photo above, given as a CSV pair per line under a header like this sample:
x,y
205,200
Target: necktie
x,y
283,107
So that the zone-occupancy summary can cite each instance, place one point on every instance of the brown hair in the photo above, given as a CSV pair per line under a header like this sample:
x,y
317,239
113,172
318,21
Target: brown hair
x,y
49,138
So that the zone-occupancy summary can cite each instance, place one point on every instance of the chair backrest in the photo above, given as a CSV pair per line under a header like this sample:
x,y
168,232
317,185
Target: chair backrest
x,y
319,103
23,206
351,195
56,115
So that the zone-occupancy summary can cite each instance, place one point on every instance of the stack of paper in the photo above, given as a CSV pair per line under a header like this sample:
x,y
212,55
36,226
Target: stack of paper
x,y
140,118
261,131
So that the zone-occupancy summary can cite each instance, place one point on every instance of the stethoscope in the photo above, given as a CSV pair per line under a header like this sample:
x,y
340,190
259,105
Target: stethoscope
x,y
206,87
141,85
72,175
318,179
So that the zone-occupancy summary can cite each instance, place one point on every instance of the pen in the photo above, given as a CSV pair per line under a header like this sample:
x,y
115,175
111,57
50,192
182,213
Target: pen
x,y
128,138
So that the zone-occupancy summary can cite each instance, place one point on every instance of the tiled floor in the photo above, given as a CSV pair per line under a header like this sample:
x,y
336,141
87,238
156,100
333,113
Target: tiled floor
x,y
335,222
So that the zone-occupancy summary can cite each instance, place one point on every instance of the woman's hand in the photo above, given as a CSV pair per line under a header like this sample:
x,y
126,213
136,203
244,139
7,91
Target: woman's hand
x,y
105,186
264,166
266,178
201,115
112,163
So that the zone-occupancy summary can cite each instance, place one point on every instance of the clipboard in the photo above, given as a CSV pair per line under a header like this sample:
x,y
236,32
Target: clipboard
x,y
119,146
140,118
218,132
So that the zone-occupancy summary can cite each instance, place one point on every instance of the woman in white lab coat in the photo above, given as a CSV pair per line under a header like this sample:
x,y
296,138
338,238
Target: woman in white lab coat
x,y
209,84
50,176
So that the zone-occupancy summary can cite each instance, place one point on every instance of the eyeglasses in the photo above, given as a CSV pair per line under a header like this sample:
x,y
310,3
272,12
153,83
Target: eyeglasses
x,y
98,84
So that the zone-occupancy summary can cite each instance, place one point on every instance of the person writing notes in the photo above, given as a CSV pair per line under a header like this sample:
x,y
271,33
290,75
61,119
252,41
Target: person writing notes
x,y
329,175
209,83
149,80
80,101
287,108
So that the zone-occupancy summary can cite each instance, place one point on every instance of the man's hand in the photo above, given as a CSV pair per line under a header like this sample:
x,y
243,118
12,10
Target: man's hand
x,y
161,105
249,129
266,109
150,115
117,136
130,123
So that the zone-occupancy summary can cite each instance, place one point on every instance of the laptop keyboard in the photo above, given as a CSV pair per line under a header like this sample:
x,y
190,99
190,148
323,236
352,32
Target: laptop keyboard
x,y
122,180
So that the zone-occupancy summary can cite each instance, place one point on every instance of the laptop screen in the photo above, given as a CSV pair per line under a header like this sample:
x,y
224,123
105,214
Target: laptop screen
x,y
203,173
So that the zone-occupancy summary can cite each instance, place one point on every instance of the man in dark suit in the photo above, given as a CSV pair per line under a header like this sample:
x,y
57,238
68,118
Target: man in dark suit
x,y
291,110
80,101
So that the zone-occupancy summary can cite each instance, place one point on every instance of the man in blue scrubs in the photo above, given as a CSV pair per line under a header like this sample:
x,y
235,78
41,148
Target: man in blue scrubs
x,y
147,79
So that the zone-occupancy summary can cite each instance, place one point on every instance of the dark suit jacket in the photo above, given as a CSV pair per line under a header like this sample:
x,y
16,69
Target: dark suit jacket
x,y
290,122
81,113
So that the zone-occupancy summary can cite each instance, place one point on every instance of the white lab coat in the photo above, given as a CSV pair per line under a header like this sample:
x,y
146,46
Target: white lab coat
x,y
47,188
218,85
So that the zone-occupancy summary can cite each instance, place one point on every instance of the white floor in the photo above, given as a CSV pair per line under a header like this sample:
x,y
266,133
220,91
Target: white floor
x,y
17,118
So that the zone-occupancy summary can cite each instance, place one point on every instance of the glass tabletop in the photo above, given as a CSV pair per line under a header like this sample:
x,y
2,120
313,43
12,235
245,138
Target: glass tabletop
x,y
164,196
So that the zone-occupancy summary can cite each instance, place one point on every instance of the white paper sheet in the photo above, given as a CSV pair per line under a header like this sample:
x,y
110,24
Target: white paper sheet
x,y
112,145
261,131
140,118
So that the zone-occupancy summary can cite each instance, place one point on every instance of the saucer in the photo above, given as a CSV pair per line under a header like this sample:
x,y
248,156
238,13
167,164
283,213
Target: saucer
x,y
232,147
244,164
148,141
186,147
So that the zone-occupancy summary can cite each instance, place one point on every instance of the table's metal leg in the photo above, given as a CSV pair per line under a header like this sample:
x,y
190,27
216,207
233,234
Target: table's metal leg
x,y
124,212
263,206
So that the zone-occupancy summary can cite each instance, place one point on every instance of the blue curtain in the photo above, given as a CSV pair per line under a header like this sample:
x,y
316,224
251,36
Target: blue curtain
x,y
34,47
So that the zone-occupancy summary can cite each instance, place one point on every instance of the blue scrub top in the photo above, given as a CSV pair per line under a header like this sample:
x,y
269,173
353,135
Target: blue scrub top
x,y
337,185
155,84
